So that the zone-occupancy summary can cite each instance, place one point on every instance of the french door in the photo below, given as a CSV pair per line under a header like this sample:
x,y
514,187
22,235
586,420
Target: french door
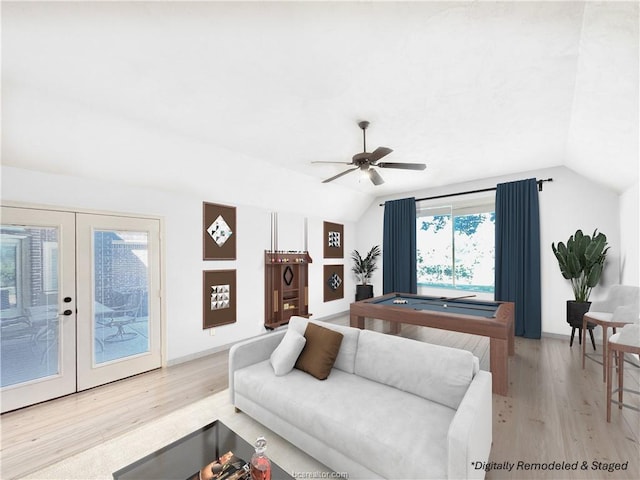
x,y
79,302
118,288
37,306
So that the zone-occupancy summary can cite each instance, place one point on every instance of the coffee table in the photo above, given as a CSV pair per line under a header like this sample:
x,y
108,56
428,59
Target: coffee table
x,y
185,457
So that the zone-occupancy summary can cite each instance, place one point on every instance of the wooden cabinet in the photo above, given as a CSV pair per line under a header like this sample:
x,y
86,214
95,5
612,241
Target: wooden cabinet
x,y
286,286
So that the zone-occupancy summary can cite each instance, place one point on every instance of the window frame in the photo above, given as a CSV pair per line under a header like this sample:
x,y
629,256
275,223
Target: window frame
x,y
476,204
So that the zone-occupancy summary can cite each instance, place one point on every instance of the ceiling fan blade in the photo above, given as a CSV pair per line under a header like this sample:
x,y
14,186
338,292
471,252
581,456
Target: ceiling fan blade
x,y
378,153
334,163
375,177
339,175
404,166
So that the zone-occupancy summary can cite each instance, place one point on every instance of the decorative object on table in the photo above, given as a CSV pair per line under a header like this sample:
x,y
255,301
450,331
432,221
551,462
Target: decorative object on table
x,y
286,286
260,464
364,268
219,232
219,298
227,467
333,240
581,261
333,282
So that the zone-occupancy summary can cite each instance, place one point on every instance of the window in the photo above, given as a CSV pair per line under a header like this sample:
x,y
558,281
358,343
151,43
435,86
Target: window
x,y
10,268
456,246
50,270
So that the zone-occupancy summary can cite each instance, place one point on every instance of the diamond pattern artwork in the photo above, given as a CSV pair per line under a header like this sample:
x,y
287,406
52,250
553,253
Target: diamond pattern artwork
x,y
334,281
287,276
220,297
334,239
219,231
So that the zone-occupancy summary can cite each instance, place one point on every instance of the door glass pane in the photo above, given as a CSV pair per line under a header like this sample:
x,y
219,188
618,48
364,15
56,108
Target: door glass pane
x,y
121,304
29,334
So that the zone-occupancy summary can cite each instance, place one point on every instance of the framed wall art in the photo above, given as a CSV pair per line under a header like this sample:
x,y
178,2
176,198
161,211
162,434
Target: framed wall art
x,y
333,240
333,282
218,298
218,232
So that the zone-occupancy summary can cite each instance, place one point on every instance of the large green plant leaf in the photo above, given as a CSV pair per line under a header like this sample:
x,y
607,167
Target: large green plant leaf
x,y
581,247
593,276
595,248
562,253
574,268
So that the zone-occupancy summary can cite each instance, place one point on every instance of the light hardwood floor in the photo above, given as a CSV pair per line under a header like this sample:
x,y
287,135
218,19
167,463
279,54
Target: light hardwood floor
x,y
555,411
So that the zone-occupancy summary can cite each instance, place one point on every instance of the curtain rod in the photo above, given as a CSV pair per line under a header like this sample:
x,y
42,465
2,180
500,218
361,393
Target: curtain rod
x,y
539,182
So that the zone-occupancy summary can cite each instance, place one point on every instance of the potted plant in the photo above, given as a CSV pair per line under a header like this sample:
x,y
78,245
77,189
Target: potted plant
x,y
581,261
364,268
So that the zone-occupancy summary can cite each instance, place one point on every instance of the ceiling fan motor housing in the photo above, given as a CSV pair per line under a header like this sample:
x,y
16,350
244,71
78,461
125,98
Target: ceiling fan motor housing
x,y
360,159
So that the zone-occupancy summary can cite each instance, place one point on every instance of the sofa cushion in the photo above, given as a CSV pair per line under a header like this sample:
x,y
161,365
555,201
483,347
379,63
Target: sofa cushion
x,y
435,372
286,354
320,351
347,355
365,420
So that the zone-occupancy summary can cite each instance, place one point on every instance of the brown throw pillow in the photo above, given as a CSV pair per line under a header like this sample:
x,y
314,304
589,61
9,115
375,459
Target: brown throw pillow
x,y
320,351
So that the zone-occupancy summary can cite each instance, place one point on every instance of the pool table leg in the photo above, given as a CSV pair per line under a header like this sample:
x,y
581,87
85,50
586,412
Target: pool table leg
x,y
499,364
356,321
394,327
512,338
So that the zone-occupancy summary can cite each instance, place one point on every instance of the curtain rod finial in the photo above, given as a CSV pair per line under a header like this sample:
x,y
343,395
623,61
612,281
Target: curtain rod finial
x,y
540,182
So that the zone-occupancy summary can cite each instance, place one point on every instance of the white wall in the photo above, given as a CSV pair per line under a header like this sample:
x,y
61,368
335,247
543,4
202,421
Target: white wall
x,y
629,237
566,204
182,217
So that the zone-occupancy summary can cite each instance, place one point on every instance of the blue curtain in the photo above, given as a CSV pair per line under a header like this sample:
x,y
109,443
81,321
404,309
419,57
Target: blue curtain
x,y
518,253
399,246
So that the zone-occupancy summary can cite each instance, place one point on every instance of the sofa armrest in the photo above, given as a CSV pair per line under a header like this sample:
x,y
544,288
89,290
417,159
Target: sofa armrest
x,y
470,433
249,352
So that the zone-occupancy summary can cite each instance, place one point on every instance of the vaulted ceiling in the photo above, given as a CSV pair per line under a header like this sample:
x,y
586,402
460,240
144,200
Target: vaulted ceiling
x,y
194,96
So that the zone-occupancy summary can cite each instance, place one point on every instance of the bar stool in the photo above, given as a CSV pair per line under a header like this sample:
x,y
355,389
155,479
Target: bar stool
x,y
619,309
626,341
605,320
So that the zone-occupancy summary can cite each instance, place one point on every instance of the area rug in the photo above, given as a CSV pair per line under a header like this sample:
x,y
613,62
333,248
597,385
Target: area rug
x,y
101,461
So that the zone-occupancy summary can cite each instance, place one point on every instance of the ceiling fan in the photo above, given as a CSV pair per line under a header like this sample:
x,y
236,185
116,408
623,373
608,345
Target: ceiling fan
x,y
365,161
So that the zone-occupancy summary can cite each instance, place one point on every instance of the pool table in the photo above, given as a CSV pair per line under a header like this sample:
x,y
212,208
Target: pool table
x,y
466,315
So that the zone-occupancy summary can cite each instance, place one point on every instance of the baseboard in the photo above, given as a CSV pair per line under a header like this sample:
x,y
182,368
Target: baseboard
x,y
194,356
567,337
333,316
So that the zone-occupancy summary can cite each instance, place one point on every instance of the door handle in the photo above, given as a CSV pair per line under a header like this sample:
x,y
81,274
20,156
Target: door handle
x,y
66,313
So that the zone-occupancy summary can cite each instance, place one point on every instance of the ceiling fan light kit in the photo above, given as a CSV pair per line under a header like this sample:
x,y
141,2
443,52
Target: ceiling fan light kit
x,y
365,161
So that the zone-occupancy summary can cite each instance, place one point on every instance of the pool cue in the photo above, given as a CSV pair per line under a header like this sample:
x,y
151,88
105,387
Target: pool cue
x,y
449,299
446,299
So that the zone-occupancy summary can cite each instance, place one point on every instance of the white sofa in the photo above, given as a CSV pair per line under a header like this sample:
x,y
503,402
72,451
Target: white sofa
x,y
391,407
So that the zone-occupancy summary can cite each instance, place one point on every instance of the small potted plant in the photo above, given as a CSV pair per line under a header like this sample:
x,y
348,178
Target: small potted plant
x,y
364,268
581,261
